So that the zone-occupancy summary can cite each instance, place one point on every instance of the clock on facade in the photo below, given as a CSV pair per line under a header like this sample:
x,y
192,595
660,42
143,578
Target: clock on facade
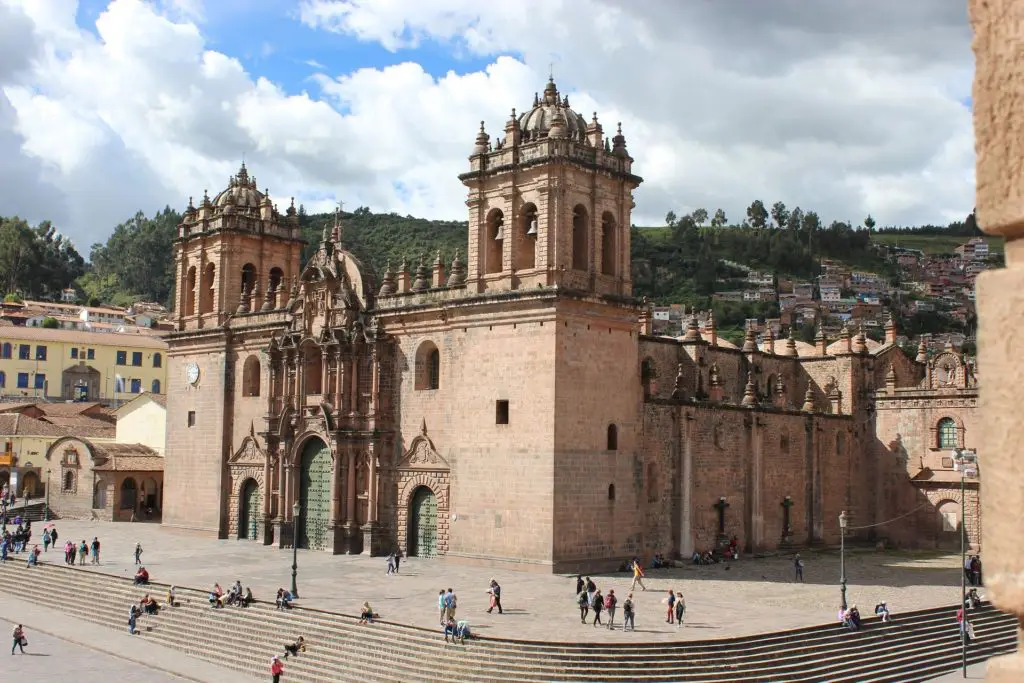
x,y
192,373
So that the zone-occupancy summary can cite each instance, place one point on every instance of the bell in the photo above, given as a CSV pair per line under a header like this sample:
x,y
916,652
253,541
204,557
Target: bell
x,y
499,233
533,227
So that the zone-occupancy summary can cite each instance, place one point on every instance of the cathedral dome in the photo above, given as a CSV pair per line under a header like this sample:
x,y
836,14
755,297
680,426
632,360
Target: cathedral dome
x,y
241,192
552,116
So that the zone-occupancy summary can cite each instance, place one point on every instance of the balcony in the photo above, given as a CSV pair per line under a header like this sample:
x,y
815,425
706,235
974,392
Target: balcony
x,y
7,459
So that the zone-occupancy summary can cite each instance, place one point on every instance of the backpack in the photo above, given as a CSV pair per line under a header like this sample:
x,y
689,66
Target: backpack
x,y
609,601
597,605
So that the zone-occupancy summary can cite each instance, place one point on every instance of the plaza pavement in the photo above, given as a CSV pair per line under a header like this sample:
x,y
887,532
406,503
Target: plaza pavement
x,y
746,597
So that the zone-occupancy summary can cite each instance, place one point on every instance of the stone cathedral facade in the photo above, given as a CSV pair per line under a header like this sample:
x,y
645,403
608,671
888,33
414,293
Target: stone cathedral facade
x,y
510,405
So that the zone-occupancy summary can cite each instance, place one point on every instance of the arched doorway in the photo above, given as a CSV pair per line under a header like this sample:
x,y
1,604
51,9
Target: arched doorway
x,y
423,523
129,494
99,495
5,478
315,495
250,506
29,485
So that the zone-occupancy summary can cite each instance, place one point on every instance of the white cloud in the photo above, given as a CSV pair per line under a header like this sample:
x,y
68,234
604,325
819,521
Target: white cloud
x,y
851,109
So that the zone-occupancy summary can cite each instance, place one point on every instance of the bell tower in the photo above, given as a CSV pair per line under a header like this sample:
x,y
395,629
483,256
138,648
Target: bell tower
x,y
234,254
550,203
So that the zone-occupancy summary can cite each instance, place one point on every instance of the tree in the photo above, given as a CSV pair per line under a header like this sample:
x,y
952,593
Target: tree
x,y
670,218
700,217
719,219
757,215
780,214
50,323
37,262
795,220
869,223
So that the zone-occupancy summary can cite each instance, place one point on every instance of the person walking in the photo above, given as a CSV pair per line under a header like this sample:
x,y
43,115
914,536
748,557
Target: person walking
x,y
583,600
670,601
391,564
628,611
798,568
46,540
597,605
138,553
680,609
19,639
610,603
495,593
441,609
398,559
95,550
638,576
276,669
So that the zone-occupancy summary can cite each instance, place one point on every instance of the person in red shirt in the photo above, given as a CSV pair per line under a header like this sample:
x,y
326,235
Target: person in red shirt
x,y
276,668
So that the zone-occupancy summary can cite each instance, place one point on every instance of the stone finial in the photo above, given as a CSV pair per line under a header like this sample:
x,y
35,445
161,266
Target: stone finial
x,y
269,299
387,285
403,277
482,142
692,331
336,230
922,352
293,293
619,142
845,340
769,340
780,392
679,391
422,281
749,341
808,406
790,348
243,302
710,329
750,393
457,275
860,343
558,125
437,275
890,329
890,376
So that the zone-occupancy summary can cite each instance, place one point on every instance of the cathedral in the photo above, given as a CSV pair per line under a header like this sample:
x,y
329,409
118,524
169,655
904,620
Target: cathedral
x,y
511,406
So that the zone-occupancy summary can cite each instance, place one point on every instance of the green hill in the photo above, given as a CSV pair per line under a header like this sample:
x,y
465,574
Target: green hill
x,y
932,244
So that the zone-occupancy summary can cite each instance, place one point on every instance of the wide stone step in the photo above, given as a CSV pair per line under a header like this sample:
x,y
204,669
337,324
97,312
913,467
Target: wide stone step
x,y
338,645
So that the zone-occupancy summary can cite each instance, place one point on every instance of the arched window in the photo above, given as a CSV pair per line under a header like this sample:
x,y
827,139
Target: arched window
x,y
248,277
69,481
611,492
155,386
251,377
580,224
190,291
158,360
206,294
494,240
129,494
3,379
5,350
613,438
609,248
526,256
276,284
428,367
947,433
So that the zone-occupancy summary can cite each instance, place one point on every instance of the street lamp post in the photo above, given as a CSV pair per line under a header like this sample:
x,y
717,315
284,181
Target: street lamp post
x,y
843,520
966,463
46,504
296,511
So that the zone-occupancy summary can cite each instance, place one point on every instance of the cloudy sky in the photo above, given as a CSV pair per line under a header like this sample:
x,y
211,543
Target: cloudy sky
x,y
847,107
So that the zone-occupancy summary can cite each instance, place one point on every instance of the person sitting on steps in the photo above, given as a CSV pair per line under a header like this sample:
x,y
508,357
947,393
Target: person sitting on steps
x,y
141,577
366,616
295,648
882,611
284,599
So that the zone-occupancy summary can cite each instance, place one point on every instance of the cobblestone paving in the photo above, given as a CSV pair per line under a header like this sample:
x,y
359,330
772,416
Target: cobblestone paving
x,y
749,596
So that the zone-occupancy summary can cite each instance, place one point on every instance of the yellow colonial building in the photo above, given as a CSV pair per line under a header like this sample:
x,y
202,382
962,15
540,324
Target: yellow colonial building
x,y
73,365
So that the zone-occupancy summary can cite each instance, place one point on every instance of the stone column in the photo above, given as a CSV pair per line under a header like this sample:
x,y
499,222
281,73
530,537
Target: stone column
x,y
350,515
353,395
998,119
686,491
371,511
324,364
339,382
374,383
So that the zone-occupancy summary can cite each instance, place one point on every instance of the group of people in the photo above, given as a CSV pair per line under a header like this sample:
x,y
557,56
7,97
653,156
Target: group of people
x,y
235,596
284,599
80,551
141,577
394,561
16,541
589,598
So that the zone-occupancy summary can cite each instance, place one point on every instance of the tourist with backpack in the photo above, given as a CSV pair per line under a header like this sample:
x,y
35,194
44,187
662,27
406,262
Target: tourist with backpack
x,y
597,605
610,602
583,600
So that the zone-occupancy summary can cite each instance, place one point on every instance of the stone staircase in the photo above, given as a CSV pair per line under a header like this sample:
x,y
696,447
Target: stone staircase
x,y
916,646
